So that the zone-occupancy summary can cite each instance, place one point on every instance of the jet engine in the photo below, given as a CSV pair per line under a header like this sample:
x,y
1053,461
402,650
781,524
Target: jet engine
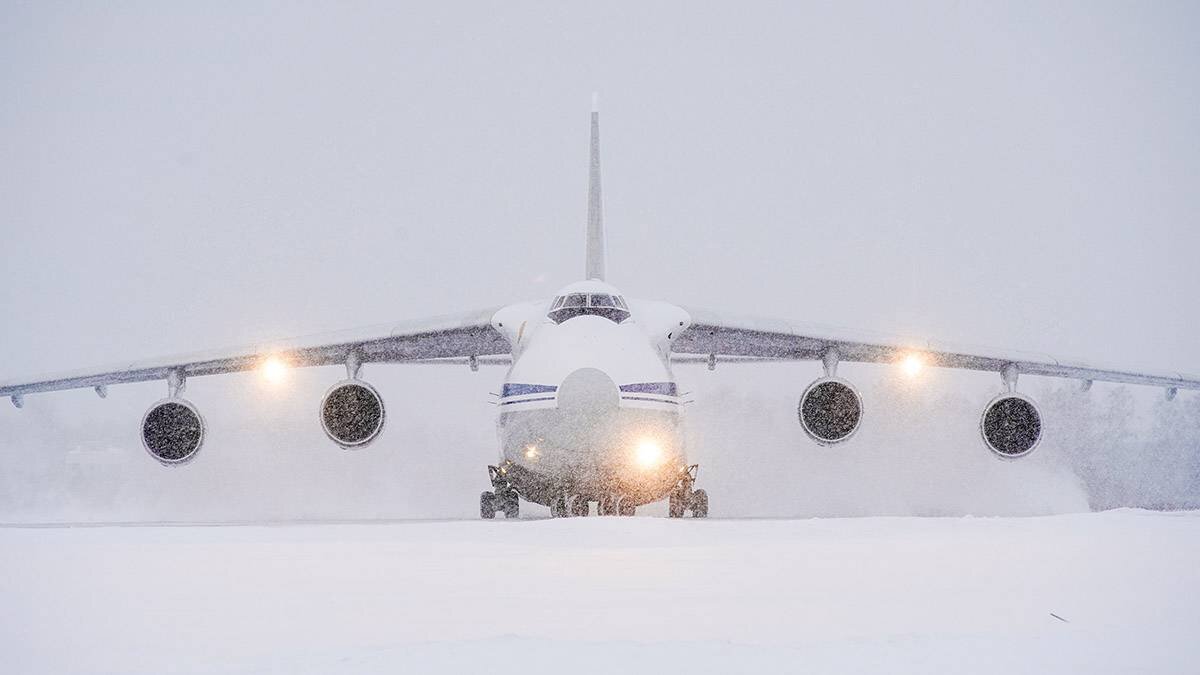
x,y
830,410
352,413
1011,425
172,431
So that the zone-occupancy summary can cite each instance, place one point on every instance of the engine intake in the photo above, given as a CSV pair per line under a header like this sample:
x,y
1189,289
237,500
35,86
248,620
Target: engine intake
x,y
1011,426
830,410
172,431
352,413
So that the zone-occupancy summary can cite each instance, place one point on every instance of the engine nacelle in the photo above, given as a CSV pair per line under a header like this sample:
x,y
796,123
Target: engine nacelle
x,y
830,410
352,413
1011,425
172,431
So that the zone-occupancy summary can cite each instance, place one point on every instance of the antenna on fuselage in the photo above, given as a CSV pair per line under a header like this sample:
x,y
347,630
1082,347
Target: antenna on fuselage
x,y
595,222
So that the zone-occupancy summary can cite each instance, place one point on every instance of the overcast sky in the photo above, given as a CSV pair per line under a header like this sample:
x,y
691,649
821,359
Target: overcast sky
x,y
183,177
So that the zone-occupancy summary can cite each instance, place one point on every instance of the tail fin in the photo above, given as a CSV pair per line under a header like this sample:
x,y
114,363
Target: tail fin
x,y
595,222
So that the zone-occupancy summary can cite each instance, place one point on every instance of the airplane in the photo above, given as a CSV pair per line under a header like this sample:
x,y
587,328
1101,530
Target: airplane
x,y
589,410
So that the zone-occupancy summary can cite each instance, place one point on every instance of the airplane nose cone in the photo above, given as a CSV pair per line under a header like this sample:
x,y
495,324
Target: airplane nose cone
x,y
588,389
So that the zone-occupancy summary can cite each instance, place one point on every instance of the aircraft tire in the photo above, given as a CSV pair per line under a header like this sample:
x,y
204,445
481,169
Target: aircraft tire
x,y
626,508
699,504
487,505
675,507
580,507
558,507
512,506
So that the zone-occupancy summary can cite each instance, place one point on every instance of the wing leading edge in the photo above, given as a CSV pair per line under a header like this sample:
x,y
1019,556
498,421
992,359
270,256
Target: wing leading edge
x,y
712,335
463,336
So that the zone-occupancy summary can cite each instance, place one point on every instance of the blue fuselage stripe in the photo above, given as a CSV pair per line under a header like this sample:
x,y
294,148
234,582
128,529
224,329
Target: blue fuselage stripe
x,y
517,389
660,388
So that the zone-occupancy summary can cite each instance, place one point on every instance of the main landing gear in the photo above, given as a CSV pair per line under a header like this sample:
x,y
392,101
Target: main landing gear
x,y
684,498
504,498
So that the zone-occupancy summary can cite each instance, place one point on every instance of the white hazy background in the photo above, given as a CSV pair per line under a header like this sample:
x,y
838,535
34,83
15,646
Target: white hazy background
x,y
186,176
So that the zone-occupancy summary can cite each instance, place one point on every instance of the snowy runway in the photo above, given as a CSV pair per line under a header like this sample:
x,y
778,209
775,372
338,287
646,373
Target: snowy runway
x,y
608,594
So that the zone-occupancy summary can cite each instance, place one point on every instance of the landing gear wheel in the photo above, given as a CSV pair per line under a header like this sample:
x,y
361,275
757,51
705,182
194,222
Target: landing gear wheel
x,y
580,506
607,506
502,498
558,507
699,504
487,505
626,508
676,506
684,498
511,505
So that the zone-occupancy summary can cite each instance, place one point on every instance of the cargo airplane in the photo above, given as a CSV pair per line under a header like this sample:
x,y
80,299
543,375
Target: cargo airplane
x,y
589,411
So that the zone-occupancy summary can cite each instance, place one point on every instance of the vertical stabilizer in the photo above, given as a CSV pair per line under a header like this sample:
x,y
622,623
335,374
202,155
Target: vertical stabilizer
x,y
595,222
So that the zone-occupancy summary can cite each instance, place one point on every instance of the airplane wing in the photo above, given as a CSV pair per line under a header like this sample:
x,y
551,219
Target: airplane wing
x,y
464,337
713,335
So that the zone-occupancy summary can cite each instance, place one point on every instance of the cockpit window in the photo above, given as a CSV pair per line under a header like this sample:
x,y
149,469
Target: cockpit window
x,y
611,307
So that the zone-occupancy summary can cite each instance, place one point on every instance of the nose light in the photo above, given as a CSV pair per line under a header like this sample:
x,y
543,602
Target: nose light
x,y
648,454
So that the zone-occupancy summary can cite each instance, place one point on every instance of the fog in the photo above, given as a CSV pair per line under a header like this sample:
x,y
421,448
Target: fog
x,y
181,178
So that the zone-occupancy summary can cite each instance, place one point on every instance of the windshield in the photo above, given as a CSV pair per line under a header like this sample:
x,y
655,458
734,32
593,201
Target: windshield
x,y
611,307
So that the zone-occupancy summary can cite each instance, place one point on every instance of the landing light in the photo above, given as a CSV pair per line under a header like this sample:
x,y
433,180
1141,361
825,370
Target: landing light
x,y
649,454
912,364
274,370
531,452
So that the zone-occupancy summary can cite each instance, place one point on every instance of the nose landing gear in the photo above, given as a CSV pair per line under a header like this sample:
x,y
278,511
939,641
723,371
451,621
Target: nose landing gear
x,y
684,498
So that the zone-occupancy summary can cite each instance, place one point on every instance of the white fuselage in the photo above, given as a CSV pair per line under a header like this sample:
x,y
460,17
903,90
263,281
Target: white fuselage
x,y
589,406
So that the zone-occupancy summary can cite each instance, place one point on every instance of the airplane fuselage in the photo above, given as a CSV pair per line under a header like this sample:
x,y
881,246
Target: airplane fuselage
x,y
590,408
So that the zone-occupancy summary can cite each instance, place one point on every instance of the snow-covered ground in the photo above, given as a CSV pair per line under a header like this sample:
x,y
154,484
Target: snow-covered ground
x,y
609,595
